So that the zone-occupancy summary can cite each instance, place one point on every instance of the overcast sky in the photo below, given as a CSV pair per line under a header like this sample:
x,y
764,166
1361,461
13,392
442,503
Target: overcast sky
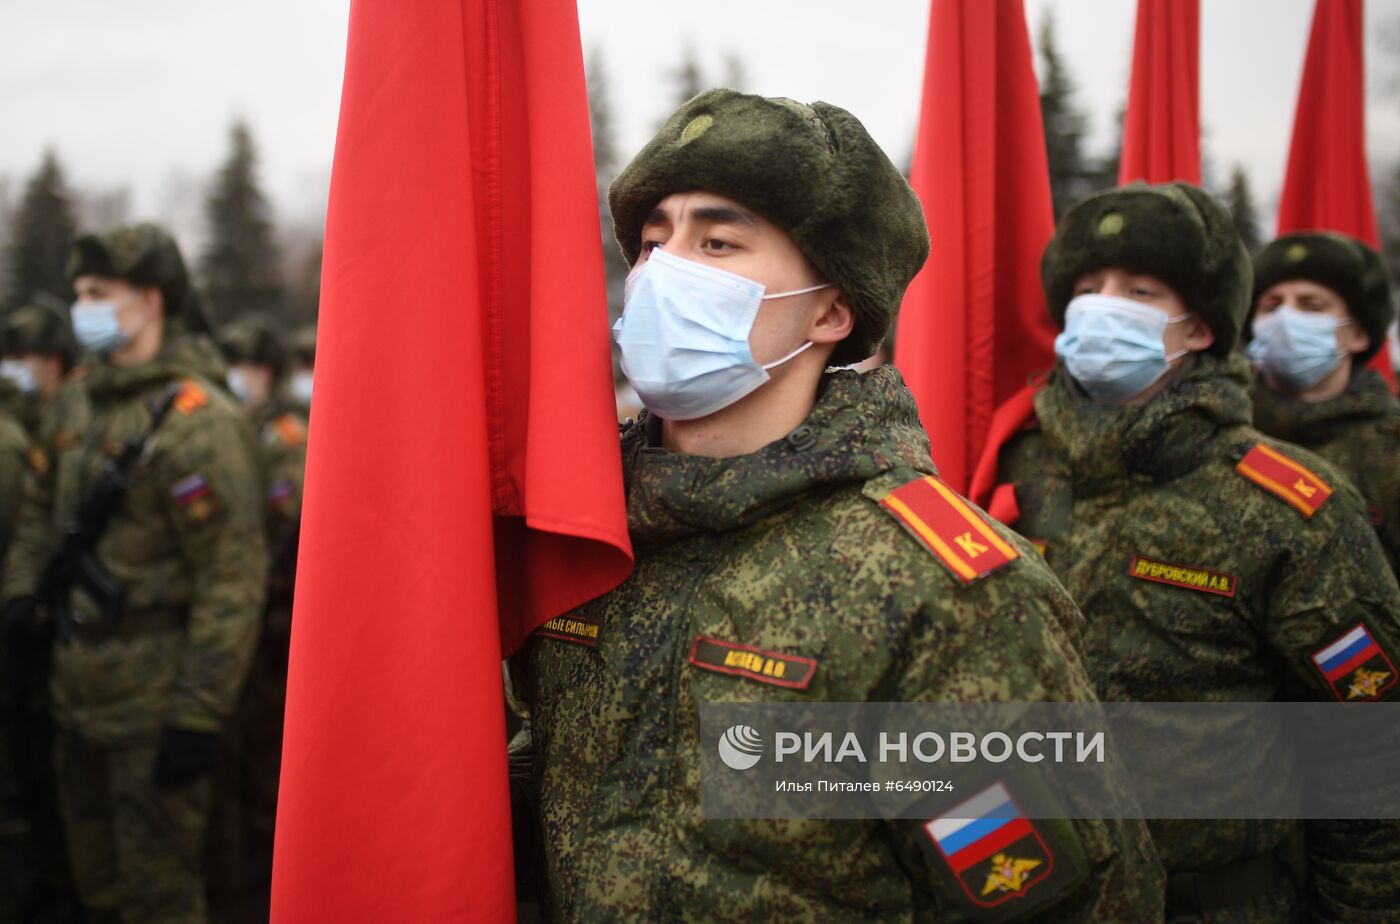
x,y
139,93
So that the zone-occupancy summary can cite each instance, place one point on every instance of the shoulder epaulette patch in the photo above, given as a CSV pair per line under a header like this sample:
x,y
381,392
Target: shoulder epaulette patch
x,y
191,398
1295,484
290,430
945,523
997,854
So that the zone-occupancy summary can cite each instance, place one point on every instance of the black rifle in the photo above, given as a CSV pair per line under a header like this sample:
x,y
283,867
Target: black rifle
x,y
75,563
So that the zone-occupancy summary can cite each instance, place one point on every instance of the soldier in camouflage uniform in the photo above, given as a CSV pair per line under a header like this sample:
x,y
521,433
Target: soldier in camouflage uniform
x,y
299,381
39,357
1321,307
246,794
1212,563
140,695
782,530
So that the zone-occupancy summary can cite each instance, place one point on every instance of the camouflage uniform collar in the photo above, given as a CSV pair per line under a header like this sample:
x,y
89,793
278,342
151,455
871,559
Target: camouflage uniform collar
x,y
862,426
183,357
14,403
1169,436
1367,398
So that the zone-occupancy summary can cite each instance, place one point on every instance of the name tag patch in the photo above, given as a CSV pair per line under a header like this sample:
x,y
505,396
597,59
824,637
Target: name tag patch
x,y
1202,579
574,629
772,667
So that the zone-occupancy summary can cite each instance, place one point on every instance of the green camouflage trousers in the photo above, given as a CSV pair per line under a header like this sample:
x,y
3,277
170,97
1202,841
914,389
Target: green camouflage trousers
x,y
136,850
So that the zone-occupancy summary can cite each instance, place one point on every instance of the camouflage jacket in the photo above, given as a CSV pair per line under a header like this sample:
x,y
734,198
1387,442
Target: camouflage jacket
x,y
281,431
14,455
1358,432
186,544
788,551
1213,563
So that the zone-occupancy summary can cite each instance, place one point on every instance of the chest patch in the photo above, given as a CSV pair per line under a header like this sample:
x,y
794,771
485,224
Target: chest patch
x,y
1191,578
1355,666
576,629
961,537
781,670
1291,482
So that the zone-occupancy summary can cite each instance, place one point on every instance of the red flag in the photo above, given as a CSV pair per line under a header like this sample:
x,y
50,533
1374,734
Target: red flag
x,y
1328,184
463,481
973,325
1162,124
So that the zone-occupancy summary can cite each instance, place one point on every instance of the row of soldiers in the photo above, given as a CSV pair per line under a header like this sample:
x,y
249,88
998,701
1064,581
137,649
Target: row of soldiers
x,y
151,472
1153,532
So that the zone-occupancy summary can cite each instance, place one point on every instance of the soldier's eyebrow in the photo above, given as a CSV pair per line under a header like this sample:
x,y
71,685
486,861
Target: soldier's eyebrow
x,y
710,214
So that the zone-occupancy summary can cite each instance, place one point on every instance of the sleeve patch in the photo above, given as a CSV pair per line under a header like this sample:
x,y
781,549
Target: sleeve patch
x,y
1356,668
290,430
948,527
1276,473
38,460
191,398
195,498
1003,862
281,493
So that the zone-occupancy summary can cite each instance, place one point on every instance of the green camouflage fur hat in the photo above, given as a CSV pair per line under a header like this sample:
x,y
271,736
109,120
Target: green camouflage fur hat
x,y
41,329
144,255
1343,264
1174,231
252,342
812,170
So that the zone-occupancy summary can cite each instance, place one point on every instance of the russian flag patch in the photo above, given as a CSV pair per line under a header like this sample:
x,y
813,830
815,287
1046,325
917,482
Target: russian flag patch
x,y
993,850
1355,667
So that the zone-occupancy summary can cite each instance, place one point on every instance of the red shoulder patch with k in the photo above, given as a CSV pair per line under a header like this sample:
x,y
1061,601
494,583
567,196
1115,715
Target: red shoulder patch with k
x,y
1295,484
949,527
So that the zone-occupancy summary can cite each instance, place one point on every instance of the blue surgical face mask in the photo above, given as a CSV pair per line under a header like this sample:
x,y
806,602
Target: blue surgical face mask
x,y
1113,346
97,327
20,373
1296,348
684,336
300,387
238,384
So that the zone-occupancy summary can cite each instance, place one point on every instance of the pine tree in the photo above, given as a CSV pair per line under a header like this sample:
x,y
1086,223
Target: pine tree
x,y
39,237
239,266
1239,199
1070,174
687,78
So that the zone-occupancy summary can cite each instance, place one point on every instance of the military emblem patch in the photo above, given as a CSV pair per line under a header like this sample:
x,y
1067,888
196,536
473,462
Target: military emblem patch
x,y
195,498
1356,668
994,851
1202,579
290,430
945,523
577,629
190,398
281,494
1273,471
783,670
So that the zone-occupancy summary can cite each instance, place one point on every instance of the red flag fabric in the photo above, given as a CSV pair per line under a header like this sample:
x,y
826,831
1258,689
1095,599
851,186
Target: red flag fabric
x,y
463,480
973,325
1162,124
1328,185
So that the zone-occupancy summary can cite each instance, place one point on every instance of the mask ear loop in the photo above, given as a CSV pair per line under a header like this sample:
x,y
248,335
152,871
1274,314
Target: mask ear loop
x,y
779,362
1184,350
825,285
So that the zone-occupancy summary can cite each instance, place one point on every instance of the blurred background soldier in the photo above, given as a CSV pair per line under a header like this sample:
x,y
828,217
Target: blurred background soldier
x,y
39,356
1322,303
246,791
303,350
140,547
